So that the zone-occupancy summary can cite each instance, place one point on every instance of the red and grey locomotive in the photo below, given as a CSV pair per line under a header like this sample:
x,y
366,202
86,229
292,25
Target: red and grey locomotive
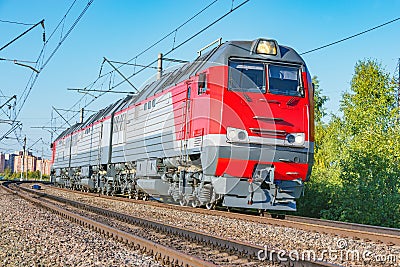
x,y
234,127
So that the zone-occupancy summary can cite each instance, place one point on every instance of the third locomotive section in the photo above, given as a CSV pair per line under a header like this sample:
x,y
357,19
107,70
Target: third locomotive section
x,y
234,127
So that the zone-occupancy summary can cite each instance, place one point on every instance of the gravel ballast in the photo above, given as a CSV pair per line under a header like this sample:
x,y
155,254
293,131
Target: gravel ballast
x,y
334,249
30,236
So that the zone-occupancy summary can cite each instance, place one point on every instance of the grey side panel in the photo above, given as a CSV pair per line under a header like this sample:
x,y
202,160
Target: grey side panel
x,y
150,133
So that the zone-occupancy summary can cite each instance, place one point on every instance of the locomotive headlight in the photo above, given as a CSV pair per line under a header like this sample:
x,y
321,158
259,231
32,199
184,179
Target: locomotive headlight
x,y
291,138
231,134
295,138
267,47
236,135
299,139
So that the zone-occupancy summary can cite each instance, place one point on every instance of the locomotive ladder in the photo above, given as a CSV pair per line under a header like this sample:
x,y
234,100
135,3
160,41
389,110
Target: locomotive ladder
x,y
99,146
185,126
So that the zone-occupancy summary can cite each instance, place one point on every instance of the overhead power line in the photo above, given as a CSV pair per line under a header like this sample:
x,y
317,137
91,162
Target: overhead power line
x,y
151,46
16,22
84,90
32,79
350,37
172,32
141,53
17,60
11,98
40,65
67,34
122,75
184,42
129,64
14,127
170,51
54,51
22,34
24,65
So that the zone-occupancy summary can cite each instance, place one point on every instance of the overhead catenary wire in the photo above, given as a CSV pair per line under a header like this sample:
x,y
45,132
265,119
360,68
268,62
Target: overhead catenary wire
x,y
33,78
169,52
184,42
120,73
22,34
350,37
83,90
130,64
172,32
54,51
17,22
13,128
155,43
17,60
139,54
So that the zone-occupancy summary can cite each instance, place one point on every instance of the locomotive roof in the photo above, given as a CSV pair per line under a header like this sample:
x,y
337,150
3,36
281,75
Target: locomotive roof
x,y
218,56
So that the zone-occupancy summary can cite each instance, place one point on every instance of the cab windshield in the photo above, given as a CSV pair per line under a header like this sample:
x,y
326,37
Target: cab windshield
x,y
251,77
284,80
246,77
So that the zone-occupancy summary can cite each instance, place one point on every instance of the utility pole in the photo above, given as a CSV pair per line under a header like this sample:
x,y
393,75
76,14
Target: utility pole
x,y
159,66
23,159
81,118
41,167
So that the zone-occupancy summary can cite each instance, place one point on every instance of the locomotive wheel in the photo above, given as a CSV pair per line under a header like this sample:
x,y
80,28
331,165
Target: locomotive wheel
x,y
261,212
210,206
281,216
274,215
183,202
195,203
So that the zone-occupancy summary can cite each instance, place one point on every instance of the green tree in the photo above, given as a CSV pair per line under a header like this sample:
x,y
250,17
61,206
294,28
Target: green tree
x,y
323,183
319,101
369,146
7,173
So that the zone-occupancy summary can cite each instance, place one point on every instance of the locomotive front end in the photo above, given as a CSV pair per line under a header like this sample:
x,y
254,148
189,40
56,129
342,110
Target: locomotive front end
x,y
263,152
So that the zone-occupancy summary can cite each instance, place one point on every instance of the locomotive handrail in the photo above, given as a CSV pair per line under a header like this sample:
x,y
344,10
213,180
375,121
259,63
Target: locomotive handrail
x,y
219,41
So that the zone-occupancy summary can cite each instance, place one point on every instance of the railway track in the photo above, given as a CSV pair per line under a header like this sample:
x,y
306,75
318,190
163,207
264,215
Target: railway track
x,y
390,236
207,250
162,253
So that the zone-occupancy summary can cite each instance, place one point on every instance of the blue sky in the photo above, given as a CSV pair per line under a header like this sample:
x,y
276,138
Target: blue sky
x,y
119,30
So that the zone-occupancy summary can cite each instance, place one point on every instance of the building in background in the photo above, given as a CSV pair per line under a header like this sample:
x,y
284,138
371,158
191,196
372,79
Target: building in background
x,y
2,162
43,165
30,163
9,162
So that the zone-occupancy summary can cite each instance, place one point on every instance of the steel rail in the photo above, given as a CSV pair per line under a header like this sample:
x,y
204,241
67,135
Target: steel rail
x,y
390,236
347,225
235,246
161,253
